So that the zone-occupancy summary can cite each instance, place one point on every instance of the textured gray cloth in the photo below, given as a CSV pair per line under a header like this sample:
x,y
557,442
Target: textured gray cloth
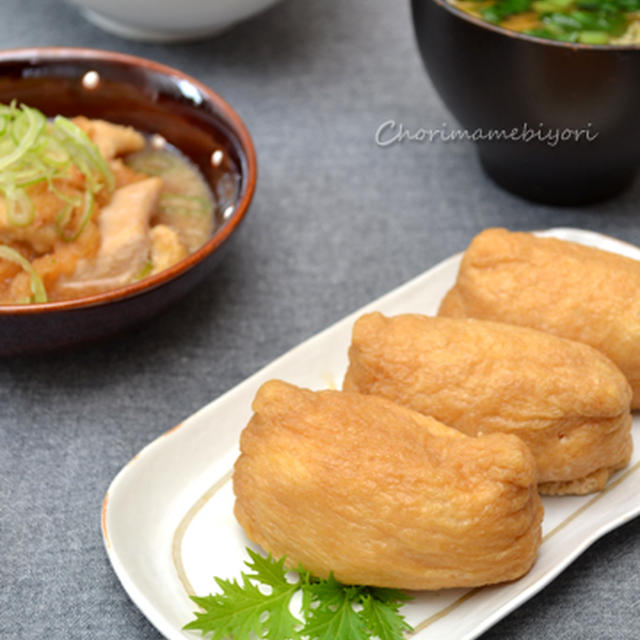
x,y
336,222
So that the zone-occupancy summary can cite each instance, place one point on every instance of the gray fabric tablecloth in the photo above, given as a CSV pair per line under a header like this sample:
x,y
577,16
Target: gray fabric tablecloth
x,y
336,222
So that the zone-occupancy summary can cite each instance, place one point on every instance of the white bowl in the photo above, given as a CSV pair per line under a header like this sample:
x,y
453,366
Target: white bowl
x,y
168,20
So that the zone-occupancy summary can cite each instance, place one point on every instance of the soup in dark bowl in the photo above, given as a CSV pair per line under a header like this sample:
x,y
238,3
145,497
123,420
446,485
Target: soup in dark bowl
x,y
555,122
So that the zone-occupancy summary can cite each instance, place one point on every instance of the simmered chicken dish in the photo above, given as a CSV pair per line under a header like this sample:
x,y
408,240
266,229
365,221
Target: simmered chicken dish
x,y
88,206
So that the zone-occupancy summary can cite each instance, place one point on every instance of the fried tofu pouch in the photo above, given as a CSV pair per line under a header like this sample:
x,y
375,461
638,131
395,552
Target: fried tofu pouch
x,y
568,402
567,289
381,495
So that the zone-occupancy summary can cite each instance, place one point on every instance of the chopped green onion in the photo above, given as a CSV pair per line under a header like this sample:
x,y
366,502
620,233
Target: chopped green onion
x,y
37,288
54,153
8,109
145,271
33,151
36,122
86,216
629,5
26,176
594,37
20,209
184,205
504,8
563,20
85,147
549,6
74,201
154,164
63,218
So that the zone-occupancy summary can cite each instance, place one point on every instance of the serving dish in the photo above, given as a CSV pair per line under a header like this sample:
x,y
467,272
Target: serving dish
x,y
154,99
495,80
167,21
168,523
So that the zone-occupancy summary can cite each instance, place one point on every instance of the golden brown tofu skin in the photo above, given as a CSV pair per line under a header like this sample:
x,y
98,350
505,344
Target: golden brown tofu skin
x,y
381,495
567,289
568,402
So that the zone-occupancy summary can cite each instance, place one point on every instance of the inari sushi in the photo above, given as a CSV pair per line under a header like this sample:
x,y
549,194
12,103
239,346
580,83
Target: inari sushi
x,y
567,401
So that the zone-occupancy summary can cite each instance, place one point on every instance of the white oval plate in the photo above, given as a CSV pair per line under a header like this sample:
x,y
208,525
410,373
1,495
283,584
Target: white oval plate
x,y
167,518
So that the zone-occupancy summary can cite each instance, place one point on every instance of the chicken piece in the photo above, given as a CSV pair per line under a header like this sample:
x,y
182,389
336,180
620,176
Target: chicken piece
x,y
111,139
52,266
8,273
568,402
125,241
123,174
41,234
381,495
166,248
567,289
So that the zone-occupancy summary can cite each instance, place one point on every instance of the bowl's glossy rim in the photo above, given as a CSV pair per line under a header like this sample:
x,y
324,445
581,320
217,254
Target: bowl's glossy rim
x,y
517,35
248,169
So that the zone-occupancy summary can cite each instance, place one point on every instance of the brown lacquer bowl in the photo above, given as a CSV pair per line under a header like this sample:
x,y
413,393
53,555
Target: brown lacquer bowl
x,y
154,99
534,90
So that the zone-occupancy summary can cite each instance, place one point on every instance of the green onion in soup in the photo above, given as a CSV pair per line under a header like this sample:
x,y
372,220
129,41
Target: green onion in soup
x,y
596,22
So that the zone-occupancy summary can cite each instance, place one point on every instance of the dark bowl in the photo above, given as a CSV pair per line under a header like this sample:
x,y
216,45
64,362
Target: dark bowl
x,y
494,80
153,98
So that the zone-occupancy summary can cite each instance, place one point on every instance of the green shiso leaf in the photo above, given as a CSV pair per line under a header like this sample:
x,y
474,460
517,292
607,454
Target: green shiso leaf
x,y
259,606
